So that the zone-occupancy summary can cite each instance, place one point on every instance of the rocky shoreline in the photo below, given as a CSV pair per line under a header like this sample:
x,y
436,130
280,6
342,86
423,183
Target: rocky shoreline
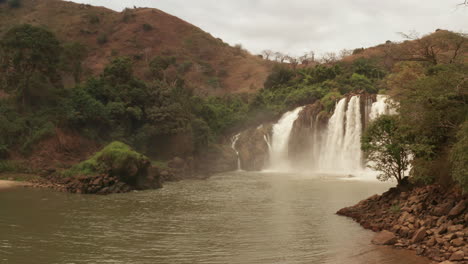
x,y
430,220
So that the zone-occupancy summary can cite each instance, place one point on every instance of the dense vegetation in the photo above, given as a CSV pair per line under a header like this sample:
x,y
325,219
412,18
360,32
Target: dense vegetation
x,y
432,125
118,106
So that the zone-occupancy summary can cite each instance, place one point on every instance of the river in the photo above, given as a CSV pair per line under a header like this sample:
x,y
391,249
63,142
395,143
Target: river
x,y
234,218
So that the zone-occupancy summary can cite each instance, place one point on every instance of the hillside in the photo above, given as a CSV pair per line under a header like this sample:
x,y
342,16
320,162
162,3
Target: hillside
x,y
210,66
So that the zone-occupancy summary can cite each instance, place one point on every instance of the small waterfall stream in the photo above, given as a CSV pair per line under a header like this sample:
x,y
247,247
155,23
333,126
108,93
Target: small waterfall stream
x,y
280,139
234,140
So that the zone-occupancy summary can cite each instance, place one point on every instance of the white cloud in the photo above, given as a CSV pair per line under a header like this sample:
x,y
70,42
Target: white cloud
x,y
296,26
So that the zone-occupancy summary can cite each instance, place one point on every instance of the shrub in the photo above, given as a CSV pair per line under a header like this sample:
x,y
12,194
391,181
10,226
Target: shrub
x,y
94,19
102,39
14,3
117,159
147,27
45,131
459,157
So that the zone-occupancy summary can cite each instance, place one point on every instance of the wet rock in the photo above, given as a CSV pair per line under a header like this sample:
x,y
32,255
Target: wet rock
x,y
384,238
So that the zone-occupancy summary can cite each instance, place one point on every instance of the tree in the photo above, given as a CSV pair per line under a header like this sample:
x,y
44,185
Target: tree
x,y
26,52
386,148
266,54
72,59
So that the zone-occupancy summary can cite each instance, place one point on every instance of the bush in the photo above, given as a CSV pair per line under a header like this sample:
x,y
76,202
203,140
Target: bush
x,y
94,19
102,39
459,157
43,132
147,27
14,3
117,159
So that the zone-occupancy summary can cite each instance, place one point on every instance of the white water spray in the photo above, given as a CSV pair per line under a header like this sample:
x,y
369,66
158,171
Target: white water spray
x,y
380,107
280,140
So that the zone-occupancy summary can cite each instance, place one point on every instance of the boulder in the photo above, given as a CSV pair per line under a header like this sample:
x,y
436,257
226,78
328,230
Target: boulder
x,y
384,238
458,209
442,209
419,235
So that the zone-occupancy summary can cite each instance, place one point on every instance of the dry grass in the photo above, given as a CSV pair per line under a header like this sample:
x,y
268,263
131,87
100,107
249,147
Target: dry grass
x,y
236,70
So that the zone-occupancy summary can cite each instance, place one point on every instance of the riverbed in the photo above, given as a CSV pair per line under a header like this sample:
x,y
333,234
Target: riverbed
x,y
236,217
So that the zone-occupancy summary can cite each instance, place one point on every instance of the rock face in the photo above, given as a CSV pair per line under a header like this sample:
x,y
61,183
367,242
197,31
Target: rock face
x,y
307,129
253,149
216,159
430,220
384,238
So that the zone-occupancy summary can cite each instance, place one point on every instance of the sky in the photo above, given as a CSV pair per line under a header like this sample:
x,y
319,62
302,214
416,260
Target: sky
x,y
297,26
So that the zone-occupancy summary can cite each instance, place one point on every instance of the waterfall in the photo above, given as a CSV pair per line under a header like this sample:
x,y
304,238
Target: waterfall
x,y
342,149
352,139
233,146
280,139
328,146
380,107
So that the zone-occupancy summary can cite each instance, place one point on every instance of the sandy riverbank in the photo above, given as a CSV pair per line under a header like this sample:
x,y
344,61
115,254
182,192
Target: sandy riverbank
x,y
4,184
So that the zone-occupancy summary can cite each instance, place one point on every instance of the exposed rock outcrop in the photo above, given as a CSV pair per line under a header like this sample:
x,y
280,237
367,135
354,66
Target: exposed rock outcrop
x,y
430,220
252,147
216,159
307,129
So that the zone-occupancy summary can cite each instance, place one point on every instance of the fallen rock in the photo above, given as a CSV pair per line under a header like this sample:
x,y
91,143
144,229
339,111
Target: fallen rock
x,y
459,255
458,242
384,238
419,235
458,209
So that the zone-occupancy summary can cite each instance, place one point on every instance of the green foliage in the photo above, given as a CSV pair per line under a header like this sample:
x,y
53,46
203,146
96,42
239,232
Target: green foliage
x,y
329,100
29,58
387,148
395,209
42,132
14,3
147,27
116,158
279,75
102,39
72,58
94,19
459,157
434,104
8,166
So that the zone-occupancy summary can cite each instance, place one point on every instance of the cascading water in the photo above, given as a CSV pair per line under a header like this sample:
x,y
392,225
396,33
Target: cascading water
x,y
233,146
280,139
342,150
335,146
380,107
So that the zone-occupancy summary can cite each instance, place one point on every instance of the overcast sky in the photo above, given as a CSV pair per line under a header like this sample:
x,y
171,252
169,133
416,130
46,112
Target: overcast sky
x,y
297,26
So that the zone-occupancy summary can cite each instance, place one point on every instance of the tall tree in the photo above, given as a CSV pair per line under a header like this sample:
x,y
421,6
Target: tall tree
x,y
28,55
386,148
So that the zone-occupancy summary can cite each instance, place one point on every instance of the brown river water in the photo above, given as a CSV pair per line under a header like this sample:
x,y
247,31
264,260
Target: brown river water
x,y
234,218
